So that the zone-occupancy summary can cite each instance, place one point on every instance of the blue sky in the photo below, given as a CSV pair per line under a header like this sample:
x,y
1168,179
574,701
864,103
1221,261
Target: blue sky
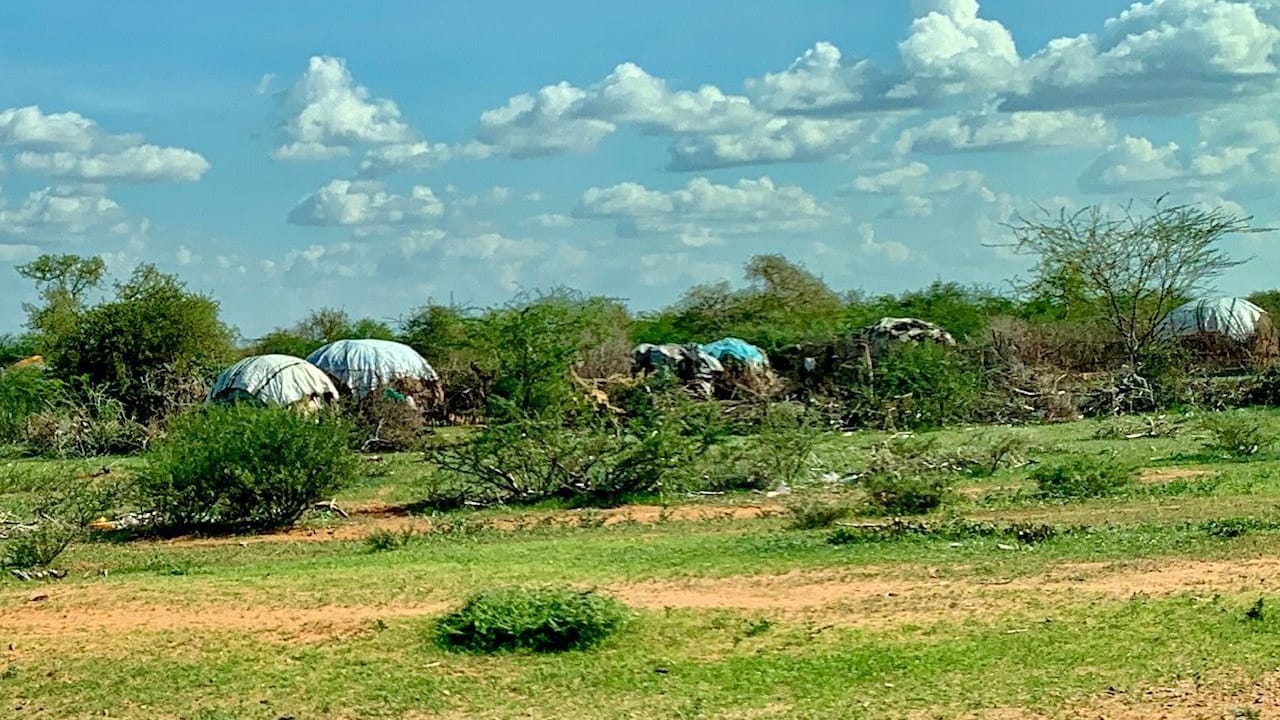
x,y
375,157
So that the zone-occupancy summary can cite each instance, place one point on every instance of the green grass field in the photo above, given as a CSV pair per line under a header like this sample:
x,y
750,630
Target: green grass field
x,y
1138,607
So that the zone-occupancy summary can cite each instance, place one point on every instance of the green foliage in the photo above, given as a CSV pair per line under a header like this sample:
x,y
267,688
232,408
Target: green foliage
x,y
1236,436
905,494
543,620
962,310
23,393
783,304
321,327
85,424
915,387
528,460
782,448
38,547
538,341
243,466
1230,528
62,282
1268,300
17,347
1083,476
1134,267
1257,612
387,540
440,333
154,330
385,424
813,513
1027,533
66,504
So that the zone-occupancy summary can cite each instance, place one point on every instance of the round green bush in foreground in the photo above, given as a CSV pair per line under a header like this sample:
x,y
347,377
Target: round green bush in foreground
x,y
534,619
246,467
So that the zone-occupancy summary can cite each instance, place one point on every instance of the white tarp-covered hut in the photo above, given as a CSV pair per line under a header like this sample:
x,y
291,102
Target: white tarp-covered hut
x,y
364,366
1235,318
274,380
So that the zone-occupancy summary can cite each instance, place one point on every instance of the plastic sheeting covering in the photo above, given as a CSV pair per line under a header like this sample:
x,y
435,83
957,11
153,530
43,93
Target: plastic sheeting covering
x,y
367,365
275,380
1236,318
740,350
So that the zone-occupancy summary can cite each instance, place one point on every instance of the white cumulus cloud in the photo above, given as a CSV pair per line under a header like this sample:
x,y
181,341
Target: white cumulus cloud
x,y
325,112
703,210
366,203
70,146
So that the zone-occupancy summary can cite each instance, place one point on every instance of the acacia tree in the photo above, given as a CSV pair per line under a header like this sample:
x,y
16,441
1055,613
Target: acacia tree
x,y
1134,267
63,282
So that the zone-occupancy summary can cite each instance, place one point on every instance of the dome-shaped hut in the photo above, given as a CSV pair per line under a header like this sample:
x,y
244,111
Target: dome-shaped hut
x,y
362,367
1235,318
281,380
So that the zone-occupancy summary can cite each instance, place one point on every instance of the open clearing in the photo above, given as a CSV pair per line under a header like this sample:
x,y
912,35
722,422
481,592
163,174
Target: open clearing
x,y
1137,608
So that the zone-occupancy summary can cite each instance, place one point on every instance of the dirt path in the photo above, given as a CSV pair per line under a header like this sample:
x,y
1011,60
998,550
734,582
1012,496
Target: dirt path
x,y
867,597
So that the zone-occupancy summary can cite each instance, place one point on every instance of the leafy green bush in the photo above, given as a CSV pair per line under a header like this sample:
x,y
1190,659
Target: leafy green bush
x,y
244,466
66,503
1236,436
531,460
913,387
1083,476
553,619
23,393
39,546
387,540
152,333
537,341
911,494
813,513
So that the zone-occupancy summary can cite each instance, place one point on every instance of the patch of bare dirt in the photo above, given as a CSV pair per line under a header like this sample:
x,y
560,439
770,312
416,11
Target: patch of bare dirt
x,y
873,597
73,616
865,597
1161,475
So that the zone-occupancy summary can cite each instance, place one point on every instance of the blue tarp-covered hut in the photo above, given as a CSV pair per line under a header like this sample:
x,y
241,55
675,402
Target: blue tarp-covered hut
x,y
365,366
734,350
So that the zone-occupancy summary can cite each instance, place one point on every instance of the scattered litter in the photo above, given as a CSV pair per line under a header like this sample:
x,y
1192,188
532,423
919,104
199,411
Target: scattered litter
x,y
1002,546
28,575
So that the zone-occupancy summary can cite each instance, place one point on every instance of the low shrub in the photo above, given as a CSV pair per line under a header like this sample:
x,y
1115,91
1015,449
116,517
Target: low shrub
x,y
813,513
39,546
93,425
777,452
1027,533
65,506
387,540
784,444
1236,436
1229,528
913,387
1082,476
530,460
546,620
243,466
23,393
905,494
386,424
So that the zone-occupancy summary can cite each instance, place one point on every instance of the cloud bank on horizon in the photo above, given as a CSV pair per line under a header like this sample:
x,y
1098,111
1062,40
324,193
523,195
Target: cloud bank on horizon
x,y
878,172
